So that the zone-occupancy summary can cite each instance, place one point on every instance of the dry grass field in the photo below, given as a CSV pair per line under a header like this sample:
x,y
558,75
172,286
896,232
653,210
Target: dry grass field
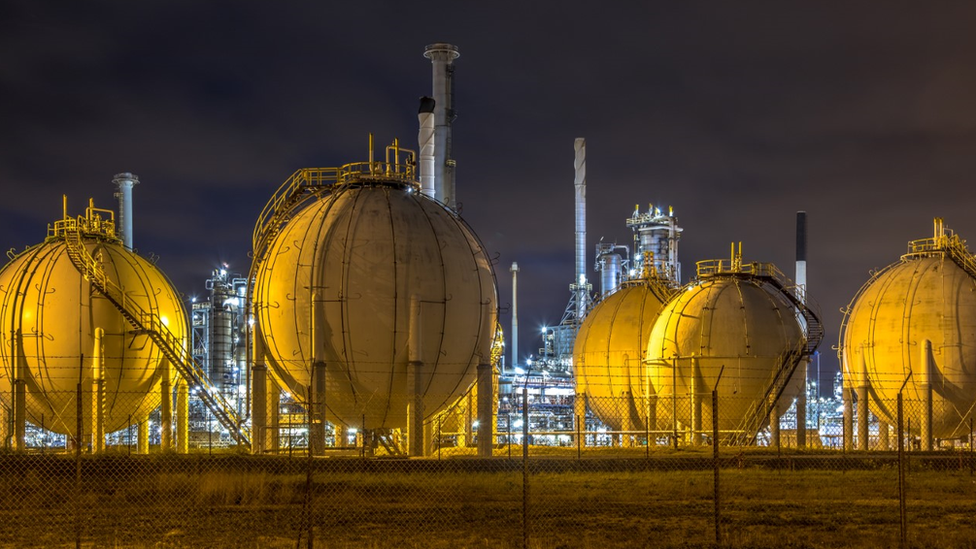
x,y
765,501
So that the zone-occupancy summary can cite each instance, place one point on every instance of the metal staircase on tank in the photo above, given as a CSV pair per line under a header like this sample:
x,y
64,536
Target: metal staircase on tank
x,y
150,323
767,274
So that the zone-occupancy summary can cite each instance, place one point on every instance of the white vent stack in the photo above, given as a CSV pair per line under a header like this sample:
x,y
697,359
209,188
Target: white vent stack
x,y
801,252
580,166
442,58
426,140
515,271
125,181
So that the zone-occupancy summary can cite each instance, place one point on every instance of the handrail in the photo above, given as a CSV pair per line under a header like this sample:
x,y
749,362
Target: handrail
x,y
308,181
146,321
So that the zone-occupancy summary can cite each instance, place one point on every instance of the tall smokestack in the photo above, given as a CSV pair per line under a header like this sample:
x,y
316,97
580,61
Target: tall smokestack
x,y
580,165
125,181
426,140
515,270
442,57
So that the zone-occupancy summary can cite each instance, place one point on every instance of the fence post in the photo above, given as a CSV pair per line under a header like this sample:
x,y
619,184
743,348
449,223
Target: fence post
x,y
901,474
718,531
79,440
971,464
525,467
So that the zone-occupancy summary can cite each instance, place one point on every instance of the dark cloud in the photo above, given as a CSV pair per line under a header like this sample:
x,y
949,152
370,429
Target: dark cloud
x,y
737,114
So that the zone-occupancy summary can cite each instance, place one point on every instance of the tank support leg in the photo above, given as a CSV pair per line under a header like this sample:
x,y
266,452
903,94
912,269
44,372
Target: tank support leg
x,y
316,430
696,403
259,408
883,442
579,411
415,410
925,384
626,421
273,406
98,394
801,405
142,437
166,409
182,417
848,398
486,398
20,392
774,438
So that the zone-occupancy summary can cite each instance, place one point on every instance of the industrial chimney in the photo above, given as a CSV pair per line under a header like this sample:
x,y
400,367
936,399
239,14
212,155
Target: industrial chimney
x,y
426,140
580,183
125,181
442,57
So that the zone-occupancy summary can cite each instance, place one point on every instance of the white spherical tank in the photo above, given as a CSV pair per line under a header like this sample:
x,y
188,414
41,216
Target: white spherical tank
x,y
928,296
355,259
729,321
50,314
609,350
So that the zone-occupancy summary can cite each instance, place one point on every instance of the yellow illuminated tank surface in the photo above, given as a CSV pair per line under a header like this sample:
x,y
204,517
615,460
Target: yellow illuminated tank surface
x,y
721,320
363,251
45,299
925,296
608,352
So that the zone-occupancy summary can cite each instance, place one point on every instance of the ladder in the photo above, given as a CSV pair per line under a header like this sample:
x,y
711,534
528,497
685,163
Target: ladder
x,y
150,323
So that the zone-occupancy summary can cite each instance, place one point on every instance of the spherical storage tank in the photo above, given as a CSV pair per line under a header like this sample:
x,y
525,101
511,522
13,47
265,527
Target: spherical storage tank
x,y
734,316
608,353
929,295
50,313
352,262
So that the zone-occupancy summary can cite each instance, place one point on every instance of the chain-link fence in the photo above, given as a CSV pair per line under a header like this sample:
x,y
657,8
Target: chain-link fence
x,y
619,472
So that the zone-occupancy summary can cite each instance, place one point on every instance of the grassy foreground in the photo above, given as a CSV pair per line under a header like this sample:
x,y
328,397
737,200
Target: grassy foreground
x,y
250,501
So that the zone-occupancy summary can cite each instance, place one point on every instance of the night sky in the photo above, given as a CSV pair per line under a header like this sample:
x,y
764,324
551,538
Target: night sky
x,y
738,114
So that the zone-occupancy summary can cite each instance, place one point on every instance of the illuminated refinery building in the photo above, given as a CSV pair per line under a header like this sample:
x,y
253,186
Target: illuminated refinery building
x,y
218,340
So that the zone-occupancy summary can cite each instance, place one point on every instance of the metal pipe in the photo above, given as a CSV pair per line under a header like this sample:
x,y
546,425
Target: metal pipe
x,y
427,147
442,58
125,181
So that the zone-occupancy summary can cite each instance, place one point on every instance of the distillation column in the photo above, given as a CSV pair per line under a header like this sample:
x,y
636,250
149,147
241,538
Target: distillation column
x,y
579,165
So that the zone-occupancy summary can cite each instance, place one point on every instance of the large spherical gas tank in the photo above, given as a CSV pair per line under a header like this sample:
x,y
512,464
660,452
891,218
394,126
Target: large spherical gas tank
x,y
924,297
50,313
729,321
360,254
609,350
